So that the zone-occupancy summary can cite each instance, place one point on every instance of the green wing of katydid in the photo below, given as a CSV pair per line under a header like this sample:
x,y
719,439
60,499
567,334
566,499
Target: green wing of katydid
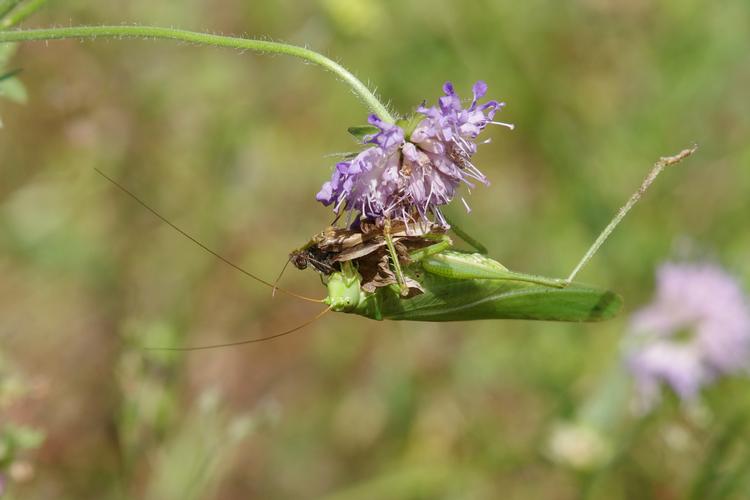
x,y
446,299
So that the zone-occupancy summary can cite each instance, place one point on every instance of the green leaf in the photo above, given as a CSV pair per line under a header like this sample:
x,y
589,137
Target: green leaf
x,y
6,52
11,88
361,132
10,74
27,437
409,124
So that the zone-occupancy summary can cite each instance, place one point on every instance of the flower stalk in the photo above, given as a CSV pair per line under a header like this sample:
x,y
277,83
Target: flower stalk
x,y
155,32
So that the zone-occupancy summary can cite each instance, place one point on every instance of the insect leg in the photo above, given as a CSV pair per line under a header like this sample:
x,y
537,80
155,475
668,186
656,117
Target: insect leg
x,y
660,165
539,280
457,265
394,258
444,243
377,313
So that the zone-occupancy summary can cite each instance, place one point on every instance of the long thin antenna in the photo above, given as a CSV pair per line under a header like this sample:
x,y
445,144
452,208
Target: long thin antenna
x,y
276,283
242,342
655,171
195,240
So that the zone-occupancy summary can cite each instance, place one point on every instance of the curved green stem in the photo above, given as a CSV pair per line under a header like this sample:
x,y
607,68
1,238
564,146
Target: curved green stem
x,y
90,32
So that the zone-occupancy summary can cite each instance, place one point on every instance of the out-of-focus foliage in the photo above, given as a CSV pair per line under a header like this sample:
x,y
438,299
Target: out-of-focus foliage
x,y
233,147
10,86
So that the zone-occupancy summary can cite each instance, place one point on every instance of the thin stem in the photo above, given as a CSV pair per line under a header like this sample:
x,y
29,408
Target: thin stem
x,y
91,32
655,171
20,14
394,258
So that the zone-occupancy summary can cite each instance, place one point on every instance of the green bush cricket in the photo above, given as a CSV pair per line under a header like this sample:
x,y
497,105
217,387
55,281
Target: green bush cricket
x,y
453,285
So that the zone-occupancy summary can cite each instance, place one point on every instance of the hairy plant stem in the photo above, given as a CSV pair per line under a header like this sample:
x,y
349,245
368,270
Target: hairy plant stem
x,y
92,32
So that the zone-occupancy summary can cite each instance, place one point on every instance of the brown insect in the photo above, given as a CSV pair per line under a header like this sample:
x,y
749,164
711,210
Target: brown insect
x,y
367,247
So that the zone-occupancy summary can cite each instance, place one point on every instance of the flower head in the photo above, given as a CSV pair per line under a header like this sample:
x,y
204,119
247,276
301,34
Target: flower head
x,y
408,174
696,330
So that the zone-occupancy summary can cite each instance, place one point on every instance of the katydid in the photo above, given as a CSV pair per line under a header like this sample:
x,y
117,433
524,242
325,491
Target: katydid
x,y
447,285
422,279
459,286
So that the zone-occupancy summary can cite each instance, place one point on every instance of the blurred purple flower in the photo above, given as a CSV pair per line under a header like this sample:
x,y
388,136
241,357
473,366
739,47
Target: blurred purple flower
x,y
408,175
696,330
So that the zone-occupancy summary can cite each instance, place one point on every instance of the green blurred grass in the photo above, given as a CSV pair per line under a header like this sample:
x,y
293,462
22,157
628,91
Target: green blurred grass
x,y
233,148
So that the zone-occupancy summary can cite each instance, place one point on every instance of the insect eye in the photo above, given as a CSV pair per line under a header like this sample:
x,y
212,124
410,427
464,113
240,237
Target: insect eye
x,y
299,261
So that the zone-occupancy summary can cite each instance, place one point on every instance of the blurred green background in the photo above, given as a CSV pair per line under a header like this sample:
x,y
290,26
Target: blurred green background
x,y
233,147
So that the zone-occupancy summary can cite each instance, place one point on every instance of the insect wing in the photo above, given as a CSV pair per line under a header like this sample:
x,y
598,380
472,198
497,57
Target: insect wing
x,y
446,299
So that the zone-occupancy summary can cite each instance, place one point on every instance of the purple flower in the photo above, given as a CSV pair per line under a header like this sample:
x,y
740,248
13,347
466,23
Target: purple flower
x,y
370,181
696,330
408,174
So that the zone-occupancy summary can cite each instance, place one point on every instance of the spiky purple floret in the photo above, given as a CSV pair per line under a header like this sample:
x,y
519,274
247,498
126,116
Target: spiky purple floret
x,y
410,178
696,330
369,182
